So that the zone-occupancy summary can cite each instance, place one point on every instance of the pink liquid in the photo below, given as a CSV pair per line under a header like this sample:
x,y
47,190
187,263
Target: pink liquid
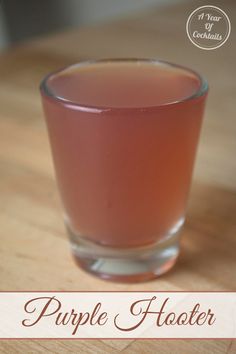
x,y
124,169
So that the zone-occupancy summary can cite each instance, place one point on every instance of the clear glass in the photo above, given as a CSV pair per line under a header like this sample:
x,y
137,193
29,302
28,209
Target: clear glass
x,y
124,134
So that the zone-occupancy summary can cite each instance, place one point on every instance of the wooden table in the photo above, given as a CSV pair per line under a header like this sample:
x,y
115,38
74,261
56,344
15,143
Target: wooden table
x,y
34,252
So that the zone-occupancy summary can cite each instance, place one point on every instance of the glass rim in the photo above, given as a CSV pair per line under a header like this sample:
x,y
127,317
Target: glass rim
x,y
45,89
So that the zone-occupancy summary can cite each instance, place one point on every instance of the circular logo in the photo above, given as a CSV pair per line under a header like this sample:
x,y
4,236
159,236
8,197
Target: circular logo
x,y
208,27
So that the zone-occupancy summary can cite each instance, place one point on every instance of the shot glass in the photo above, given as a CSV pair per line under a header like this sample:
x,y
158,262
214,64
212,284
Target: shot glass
x,y
124,134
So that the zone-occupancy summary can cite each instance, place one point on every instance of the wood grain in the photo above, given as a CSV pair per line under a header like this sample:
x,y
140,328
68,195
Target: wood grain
x,y
34,252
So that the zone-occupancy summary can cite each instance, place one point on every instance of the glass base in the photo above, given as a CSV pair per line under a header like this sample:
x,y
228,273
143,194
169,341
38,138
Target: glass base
x,y
126,265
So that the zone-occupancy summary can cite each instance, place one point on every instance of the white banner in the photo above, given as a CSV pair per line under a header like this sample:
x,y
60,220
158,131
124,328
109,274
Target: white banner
x,y
109,315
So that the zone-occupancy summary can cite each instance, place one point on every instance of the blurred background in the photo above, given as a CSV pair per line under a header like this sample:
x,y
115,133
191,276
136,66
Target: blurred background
x,y
24,19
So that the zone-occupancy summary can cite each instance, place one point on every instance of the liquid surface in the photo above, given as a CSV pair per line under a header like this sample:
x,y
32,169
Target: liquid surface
x,y
124,84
